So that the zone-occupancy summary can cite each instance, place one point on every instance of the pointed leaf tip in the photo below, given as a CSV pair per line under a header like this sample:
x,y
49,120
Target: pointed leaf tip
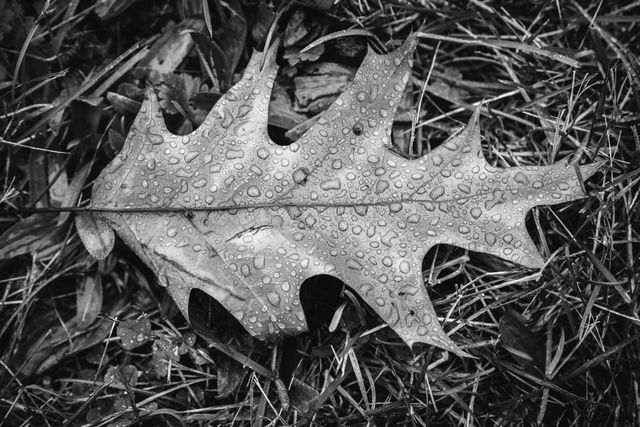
x,y
410,43
268,56
150,95
588,170
533,260
150,108
406,49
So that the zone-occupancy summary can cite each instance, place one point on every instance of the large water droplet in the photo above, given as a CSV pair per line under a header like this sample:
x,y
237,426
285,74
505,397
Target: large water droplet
x,y
436,192
300,175
262,153
199,183
253,191
331,184
354,264
490,238
234,153
259,261
404,267
274,298
388,238
381,185
395,207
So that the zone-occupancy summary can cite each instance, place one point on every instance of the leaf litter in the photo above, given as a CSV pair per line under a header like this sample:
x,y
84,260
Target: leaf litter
x,y
537,110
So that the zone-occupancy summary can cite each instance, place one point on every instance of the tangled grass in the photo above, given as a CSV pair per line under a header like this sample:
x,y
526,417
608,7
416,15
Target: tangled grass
x,y
555,347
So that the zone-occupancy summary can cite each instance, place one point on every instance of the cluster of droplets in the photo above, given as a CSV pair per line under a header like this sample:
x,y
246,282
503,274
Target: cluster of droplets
x,y
351,208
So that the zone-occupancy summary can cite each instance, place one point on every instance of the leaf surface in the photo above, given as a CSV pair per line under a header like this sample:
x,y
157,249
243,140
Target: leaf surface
x,y
226,210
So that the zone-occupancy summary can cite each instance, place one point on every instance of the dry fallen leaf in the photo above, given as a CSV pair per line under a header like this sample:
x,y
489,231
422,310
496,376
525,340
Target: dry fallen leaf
x,y
225,210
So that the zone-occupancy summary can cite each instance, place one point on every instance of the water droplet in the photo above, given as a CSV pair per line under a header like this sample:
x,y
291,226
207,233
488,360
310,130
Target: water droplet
x,y
253,191
262,153
388,238
354,264
395,207
476,212
234,153
300,175
331,184
259,261
387,261
464,188
191,156
246,271
373,159
436,192
199,183
381,185
274,299
521,178
404,267
450,145
413,218
361,210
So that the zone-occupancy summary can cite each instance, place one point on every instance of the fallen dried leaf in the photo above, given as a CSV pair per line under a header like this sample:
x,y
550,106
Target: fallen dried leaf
x,y
254,219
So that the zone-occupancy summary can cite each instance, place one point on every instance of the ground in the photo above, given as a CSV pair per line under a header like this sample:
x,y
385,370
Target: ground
x,y
88,342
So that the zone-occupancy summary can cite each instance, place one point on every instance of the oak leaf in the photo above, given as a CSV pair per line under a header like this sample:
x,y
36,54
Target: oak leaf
x,y
225,210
